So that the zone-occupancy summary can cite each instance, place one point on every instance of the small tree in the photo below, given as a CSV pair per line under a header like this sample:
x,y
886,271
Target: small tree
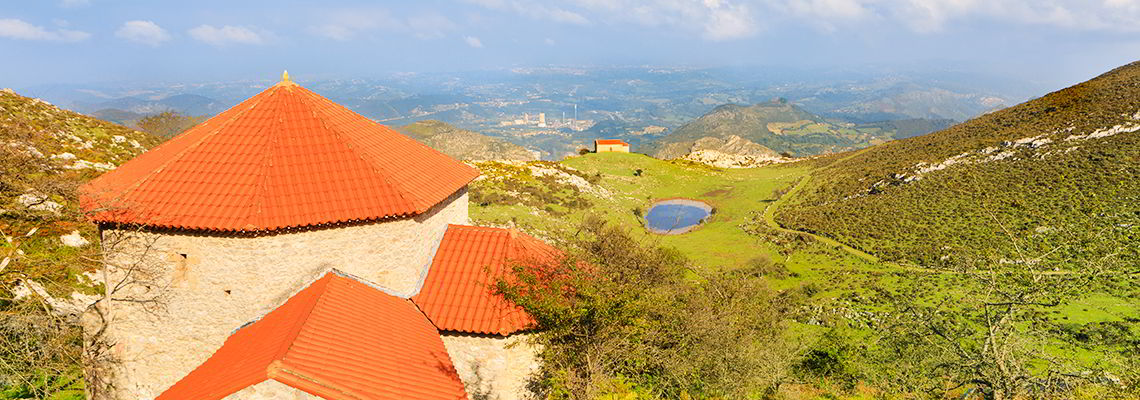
x,y
618,313
168,124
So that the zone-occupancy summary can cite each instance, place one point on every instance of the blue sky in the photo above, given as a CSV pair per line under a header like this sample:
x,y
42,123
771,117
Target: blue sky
x,y
87,41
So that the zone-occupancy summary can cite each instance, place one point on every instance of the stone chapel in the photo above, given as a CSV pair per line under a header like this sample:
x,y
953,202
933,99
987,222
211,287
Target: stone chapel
x,y
289,248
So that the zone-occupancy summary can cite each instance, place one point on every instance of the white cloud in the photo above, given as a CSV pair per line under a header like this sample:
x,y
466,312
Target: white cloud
x,y
473,42
829,11
226,35
145,32
711,19
18,29
348,24
714,20
720,20
432,26
728,21
352,23
74,3
536,10
926,16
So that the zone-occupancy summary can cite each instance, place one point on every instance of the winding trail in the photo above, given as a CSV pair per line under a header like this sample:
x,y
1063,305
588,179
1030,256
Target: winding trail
x,y
770,218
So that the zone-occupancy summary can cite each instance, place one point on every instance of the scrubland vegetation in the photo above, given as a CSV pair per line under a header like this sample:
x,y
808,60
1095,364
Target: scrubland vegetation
x,y
836,322
45,153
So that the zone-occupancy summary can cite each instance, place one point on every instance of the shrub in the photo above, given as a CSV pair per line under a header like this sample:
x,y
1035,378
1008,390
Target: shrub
x,y
618,309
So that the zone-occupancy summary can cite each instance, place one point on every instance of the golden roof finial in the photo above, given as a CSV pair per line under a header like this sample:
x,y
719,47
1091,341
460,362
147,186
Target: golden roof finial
x,y
285,76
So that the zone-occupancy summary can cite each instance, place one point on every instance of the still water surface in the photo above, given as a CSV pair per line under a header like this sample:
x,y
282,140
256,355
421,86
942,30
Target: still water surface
x,y
672,217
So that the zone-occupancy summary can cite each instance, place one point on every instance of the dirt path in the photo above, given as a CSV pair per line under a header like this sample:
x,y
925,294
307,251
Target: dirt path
x,y
770,218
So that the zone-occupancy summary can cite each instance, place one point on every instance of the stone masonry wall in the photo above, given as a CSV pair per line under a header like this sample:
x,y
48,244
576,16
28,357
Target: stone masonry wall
x,y
271,390
493,367
603,148
206,286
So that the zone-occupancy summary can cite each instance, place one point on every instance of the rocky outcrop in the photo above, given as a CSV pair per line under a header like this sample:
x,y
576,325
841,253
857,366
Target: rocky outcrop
x,y
734,145
730,152
727,160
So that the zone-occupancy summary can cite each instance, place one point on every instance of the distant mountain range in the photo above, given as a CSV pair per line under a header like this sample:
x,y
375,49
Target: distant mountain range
x,y
779,126
583,104
1063,168
188,104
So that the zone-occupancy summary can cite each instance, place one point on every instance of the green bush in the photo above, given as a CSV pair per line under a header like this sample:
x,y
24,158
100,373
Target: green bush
x,y
618,309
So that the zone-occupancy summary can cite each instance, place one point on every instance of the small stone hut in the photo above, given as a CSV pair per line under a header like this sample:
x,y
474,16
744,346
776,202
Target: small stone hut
x,y
239,251
611,146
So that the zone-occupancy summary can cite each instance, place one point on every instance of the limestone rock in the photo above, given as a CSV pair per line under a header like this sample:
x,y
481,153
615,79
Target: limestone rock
x,y
74,239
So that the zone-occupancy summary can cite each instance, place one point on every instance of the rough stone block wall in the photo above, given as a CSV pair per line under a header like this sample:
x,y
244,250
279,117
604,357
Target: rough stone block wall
x,y
271,390
205,286
493,367
614,148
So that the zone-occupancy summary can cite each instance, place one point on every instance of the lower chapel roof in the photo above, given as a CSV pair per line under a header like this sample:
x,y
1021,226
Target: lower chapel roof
x,y
457,294
343,338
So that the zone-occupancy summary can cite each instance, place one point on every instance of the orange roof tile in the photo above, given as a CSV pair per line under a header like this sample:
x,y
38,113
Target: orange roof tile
x,y
286,157
610,141
339,338
458,293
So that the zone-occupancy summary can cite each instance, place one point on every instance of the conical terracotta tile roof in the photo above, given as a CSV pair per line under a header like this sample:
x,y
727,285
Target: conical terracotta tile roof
x,y
338,339
459,294
286,157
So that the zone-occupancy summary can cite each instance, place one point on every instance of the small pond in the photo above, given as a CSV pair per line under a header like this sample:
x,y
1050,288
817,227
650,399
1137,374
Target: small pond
x,y
677,216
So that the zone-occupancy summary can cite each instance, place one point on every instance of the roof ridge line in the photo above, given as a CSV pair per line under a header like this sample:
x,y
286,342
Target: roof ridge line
x,y
162,166
349,144
267,157
295,378
304,320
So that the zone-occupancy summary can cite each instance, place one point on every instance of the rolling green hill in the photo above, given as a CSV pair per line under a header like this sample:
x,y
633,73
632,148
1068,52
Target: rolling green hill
x,y
1059,169
464,144
784,127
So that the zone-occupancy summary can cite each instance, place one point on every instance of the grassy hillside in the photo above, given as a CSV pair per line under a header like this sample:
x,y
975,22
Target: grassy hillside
x,y
609,187
846,296
464,144
1059,169
45,154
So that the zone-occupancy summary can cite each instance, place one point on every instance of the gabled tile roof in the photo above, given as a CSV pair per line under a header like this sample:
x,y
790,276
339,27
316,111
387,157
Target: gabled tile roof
x,y
610,141
337,339
458,293
286,157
